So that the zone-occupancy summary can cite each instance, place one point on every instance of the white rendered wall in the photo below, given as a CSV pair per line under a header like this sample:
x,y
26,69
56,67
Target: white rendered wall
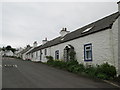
x,y
9,53
100,48
104,47
44,56
100,45
119,40
114,44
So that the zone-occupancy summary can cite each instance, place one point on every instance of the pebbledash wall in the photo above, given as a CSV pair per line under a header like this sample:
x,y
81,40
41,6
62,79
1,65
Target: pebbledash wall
x,y
104,47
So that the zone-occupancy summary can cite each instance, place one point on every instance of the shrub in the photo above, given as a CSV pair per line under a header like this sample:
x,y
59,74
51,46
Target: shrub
x,y
57,63
49,57
72,55
62,64
72,62
76,68
71,68
91,71
79,68
50,60
104,71
107,69
102,76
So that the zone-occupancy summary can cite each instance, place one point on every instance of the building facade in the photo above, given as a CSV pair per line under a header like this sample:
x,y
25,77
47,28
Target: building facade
x,y
94,44
119,38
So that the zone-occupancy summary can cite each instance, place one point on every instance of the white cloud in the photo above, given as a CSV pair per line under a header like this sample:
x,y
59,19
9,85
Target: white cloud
x,y
25,22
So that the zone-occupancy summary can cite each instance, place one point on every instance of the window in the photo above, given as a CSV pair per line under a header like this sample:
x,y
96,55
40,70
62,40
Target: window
x,y
40,54
57,54
88,29
45,52
32,55
88,52
62,39
36,54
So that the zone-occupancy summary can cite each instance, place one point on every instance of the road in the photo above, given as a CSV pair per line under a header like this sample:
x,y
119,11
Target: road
x,y
26,74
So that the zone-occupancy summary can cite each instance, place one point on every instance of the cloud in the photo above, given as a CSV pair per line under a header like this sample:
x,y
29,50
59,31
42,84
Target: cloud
x,y
23,23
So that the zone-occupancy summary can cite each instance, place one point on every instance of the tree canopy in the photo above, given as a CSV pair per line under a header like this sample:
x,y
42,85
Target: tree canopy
x,y
8,48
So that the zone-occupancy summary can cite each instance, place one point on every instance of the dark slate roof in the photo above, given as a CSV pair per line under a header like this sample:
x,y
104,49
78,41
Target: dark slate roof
x,y
25,50
102,24
118,2
35,49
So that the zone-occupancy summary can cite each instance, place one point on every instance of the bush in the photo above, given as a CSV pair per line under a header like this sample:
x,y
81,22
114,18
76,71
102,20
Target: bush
x,y
91,71
107,69
71,68
49,57
62,64
72,55
102,76
57,63
72,62
104,71
79,68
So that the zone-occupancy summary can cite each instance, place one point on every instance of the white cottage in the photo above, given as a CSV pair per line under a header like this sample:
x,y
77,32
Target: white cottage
x,y
29,56
22,53
94,44
8,53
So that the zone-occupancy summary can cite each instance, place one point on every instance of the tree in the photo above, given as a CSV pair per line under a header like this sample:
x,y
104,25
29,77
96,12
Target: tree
x,y
3,49
13,50
8,47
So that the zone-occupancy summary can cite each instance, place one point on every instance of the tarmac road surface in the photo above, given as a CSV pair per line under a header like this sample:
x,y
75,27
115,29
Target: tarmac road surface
x,y
17,73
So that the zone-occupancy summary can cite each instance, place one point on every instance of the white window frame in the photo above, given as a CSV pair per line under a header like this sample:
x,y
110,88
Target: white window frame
x,y
85,52
57,54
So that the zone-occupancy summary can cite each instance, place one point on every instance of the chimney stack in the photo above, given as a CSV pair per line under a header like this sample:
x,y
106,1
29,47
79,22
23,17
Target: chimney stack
x,y
63,32
44,41
35,44
118,6
28,46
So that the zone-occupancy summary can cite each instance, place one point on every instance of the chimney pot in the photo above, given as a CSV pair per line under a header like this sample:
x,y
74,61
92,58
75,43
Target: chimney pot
x,y
63,32
44,41
65,29
35,44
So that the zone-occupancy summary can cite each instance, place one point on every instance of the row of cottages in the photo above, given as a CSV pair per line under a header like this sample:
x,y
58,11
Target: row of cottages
x,y
94,44
21,53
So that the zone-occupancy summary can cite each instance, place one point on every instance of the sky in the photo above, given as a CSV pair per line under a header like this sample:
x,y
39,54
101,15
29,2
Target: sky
x,y
22,23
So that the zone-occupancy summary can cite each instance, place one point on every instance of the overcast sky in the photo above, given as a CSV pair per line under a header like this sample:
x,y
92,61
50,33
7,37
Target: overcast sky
x,y
25,22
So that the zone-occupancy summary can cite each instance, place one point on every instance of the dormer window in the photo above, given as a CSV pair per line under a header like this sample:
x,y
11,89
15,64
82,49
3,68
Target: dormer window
x,y
62,39
88,29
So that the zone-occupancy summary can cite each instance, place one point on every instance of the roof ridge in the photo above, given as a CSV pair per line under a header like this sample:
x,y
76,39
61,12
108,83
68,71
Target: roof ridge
x,y
99,25
96,21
